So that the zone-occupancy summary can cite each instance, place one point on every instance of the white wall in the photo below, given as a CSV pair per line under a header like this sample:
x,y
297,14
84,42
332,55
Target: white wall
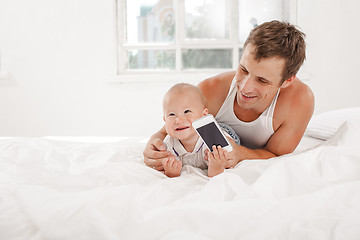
x,y
61,55
333,50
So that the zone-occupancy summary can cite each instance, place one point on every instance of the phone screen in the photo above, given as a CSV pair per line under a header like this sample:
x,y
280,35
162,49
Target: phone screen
x,y
211,135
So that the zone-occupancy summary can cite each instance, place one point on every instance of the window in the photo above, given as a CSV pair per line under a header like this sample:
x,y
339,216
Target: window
x,y
179,36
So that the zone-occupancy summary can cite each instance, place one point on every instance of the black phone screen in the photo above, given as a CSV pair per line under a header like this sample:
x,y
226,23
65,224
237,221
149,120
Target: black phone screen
x,y
211,135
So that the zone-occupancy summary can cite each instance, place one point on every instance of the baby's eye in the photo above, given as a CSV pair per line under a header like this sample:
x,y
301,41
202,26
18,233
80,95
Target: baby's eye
x,y
171,114
187,111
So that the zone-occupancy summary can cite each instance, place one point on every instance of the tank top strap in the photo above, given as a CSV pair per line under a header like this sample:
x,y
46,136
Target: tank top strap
x,y
269,112
232,87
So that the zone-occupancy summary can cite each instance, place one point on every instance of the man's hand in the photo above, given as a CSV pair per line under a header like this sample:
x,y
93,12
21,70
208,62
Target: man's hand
x,y
154,153
232,160
240,153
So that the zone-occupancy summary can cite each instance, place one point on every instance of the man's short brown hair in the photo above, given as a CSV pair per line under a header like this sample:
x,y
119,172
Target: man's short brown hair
x,y
279,39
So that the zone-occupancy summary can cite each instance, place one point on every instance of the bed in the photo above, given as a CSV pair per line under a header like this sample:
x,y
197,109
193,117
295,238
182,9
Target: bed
x,y
99,188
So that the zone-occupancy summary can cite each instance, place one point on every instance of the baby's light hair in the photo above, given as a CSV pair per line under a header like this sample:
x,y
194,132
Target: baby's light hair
x,y
180,88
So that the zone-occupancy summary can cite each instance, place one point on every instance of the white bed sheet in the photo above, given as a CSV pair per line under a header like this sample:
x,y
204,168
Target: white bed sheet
x,y
61,189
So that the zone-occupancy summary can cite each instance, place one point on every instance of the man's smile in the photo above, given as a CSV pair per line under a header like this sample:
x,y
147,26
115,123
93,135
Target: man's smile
x,y
247,96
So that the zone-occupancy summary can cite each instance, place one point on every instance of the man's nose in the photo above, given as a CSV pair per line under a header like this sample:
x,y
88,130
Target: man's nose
x,y
247,84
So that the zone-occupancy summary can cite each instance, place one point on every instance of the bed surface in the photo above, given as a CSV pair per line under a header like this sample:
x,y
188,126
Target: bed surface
x,y
99,188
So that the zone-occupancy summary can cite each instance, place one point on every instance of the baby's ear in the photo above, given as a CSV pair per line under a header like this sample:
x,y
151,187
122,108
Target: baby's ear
x,y
164,118
205,111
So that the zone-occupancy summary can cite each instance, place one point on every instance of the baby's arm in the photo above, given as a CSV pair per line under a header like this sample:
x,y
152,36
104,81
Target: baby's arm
x,y
217,161
172,167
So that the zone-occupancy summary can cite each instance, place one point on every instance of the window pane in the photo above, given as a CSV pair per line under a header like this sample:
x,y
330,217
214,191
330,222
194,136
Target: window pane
x,y
255,12
151,59
207,19
207,58
150,21
240,53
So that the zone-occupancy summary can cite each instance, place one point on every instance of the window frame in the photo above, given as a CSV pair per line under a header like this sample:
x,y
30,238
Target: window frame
x,y
233,43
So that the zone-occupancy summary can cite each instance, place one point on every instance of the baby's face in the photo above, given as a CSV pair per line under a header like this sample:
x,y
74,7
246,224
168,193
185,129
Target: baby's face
x,y
180,110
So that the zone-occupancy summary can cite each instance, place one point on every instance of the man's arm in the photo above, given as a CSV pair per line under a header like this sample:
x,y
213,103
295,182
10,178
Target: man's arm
x,y
155,150
297,113
283,141
240,153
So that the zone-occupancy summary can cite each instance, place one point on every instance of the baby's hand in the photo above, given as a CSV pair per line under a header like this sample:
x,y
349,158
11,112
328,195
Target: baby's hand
x,y
217,161
172,167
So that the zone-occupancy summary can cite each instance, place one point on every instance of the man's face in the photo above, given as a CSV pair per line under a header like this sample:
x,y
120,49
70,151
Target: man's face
x,y
257,81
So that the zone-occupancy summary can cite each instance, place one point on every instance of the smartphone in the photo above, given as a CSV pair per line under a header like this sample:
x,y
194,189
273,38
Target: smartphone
x,y
210,132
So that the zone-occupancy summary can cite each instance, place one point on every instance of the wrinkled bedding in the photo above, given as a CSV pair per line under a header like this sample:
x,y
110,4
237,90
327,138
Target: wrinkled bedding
x,y
56,189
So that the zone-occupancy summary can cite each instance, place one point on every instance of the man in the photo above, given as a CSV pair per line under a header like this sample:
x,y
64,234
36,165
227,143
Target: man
x,y
263,101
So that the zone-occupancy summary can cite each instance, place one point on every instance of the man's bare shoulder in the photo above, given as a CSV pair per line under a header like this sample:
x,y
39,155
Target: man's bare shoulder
x,y
297,99
215,90
299,94
212,84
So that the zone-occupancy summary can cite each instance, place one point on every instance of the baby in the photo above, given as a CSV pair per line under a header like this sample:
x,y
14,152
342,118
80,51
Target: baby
x,y
183,104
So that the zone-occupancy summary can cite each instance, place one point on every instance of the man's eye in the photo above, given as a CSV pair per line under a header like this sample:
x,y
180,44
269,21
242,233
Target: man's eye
x,y
262,80
244,70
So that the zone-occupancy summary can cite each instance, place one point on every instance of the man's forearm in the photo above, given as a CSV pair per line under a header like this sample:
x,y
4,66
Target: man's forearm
x,y
243,153
161,134
155,150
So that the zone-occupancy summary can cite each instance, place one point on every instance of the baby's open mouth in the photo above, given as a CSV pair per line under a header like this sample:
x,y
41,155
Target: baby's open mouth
x,y
181,128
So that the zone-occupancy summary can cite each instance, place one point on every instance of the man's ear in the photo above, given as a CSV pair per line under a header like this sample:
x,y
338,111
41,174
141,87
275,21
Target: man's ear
x,y
288,82
205,111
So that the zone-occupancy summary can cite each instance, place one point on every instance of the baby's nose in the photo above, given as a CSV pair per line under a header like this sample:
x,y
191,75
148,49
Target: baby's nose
x,y
179,119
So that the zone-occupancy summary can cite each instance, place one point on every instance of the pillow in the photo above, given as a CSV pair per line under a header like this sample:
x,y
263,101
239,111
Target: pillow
x,y
347,135
324,125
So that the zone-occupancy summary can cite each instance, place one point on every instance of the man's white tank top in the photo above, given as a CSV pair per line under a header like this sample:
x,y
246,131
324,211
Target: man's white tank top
x,y
253,134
